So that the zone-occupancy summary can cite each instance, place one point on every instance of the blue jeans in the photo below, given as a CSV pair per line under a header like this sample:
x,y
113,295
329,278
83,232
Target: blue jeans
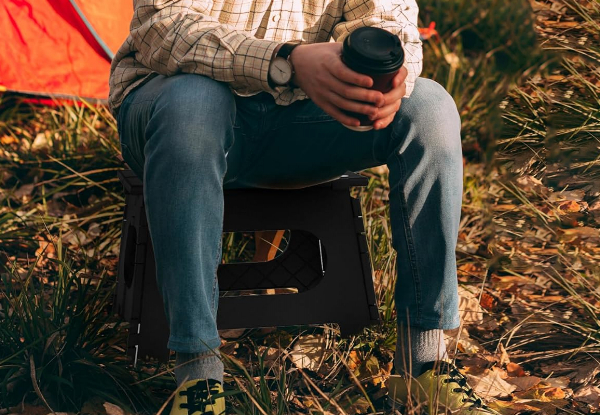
x,y
188,137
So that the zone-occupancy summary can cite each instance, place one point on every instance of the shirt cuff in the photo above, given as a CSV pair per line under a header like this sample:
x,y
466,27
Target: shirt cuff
x,y
251,63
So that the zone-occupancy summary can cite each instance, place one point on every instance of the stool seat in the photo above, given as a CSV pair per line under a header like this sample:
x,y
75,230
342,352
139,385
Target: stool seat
x,y
326,263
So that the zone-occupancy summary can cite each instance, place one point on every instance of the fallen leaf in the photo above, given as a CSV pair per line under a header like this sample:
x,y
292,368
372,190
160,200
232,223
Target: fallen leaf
x,y
555,78
504,207
462,342
560,25
569,206
384,373
28,409
567,195
353,360
490,384
542,393
112,409
558,368
468,306
546,298
46,248
533,407
475,364
270,354
515,370
231,333
371,366
23,193
586,372
25,145
589,394
471,268
553,394
510,280
357,406
308,352
511,408
487,301
39,143
75,237
7,140
524,383
583,232
558,382
530,183
94,230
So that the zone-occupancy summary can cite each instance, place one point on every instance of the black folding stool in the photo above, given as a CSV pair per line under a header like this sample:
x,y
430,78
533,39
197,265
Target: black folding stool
x,y
326,260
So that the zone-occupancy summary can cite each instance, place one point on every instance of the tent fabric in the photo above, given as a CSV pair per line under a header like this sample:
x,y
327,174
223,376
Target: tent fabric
x,y
61,48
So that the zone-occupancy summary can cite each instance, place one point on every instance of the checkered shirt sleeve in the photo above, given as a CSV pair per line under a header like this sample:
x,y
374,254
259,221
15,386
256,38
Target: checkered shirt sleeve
x,y
233,41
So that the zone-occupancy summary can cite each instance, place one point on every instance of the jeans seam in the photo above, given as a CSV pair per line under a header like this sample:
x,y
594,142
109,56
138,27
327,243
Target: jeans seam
x,y
216,279
311,120
143,101
214,292
133,163
263,110
409,241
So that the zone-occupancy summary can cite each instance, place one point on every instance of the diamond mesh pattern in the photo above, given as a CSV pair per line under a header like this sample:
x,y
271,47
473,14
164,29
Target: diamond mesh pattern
x,y
298,267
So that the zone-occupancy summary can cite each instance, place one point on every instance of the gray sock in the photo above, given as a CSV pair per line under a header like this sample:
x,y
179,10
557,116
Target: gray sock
x,y
205,365
415,347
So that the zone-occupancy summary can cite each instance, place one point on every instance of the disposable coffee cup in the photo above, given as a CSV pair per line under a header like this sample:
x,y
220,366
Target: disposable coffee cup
x,y
377,53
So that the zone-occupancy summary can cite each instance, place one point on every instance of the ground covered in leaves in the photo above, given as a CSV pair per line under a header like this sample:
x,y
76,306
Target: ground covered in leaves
x,y
528,253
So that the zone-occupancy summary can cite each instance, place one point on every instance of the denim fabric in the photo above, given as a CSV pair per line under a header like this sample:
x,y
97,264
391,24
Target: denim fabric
x,y
189,137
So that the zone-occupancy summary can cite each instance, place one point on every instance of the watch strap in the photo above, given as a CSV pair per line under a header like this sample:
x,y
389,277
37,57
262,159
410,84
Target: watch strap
x,y
286,49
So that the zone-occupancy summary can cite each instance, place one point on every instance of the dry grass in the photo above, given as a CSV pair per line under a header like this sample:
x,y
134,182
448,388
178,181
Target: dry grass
x,y
528,243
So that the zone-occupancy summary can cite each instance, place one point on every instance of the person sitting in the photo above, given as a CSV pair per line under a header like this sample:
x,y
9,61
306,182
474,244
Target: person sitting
x,y
200,107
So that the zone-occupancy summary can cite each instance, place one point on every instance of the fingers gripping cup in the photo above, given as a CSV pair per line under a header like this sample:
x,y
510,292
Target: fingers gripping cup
x,y
375,52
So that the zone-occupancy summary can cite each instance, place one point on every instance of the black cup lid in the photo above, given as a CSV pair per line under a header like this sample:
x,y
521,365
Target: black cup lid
x,y
373,50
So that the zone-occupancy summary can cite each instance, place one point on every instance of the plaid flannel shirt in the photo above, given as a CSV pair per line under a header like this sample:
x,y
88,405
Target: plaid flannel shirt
x,y
233,41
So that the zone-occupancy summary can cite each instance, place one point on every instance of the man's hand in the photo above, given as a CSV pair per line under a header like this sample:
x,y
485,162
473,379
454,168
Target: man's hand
x,y
333,86
393,98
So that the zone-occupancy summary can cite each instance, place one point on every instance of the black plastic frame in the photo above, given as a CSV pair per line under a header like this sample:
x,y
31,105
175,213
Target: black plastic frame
x,y
321,218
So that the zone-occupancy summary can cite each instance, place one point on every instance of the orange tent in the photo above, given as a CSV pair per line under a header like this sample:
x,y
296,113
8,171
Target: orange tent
x,y
61,48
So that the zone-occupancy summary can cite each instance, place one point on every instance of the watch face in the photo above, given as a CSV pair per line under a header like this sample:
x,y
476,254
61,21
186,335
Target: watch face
x,y
280,71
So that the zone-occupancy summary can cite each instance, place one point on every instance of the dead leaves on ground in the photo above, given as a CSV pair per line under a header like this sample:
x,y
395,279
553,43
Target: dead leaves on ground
x,y
527,298
96,406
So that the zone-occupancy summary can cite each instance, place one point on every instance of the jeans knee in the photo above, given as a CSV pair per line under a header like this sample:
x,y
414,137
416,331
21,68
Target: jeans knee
x,y
432,113
194,116
189,99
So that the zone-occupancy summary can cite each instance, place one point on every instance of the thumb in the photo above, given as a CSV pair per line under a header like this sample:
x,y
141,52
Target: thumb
x,y
397,79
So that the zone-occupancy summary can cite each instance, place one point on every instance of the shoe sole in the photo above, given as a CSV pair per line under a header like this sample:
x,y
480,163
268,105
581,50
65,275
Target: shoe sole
x,y
398,408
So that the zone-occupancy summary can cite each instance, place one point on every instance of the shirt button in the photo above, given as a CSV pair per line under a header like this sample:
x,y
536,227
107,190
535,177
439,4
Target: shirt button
x,y
275,18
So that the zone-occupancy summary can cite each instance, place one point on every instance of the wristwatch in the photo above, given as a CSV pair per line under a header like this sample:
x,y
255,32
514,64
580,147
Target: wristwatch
x,y
281,70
